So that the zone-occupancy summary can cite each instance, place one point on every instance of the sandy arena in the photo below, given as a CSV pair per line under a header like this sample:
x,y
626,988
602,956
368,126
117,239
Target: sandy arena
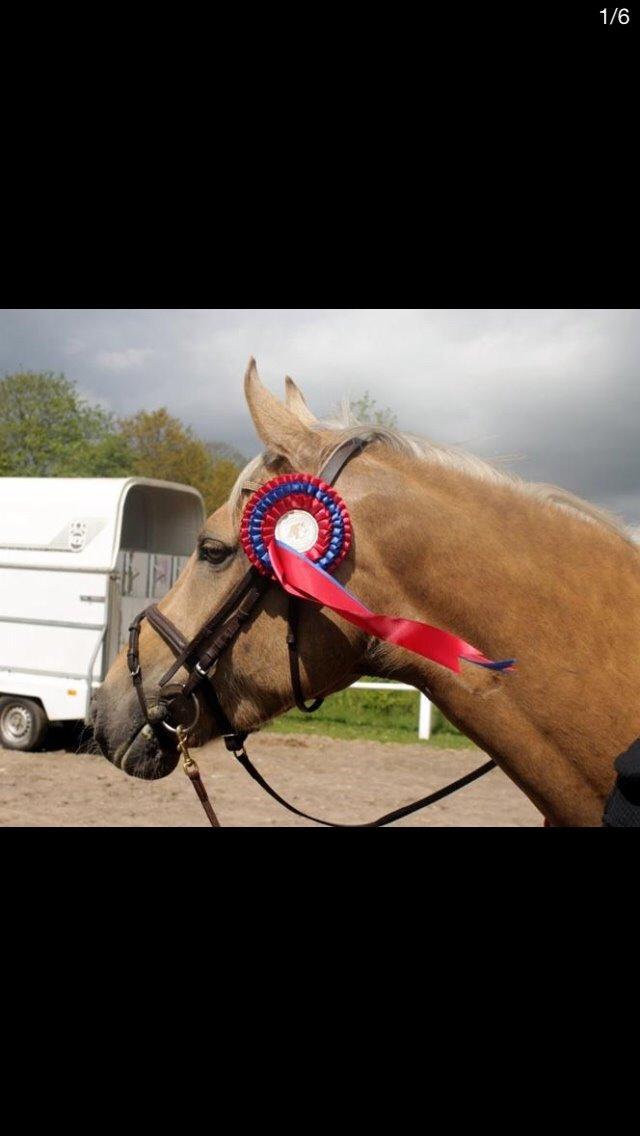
x,y
346,781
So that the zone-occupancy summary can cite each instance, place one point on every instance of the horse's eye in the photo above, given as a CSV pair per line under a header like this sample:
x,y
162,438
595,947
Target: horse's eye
x,y
214,551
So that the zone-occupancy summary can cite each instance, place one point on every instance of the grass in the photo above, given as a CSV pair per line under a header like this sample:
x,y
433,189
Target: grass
x,y
385,716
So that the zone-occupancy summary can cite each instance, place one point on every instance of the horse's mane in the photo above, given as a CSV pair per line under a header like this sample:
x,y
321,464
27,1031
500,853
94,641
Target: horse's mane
x,y
335,431
347,427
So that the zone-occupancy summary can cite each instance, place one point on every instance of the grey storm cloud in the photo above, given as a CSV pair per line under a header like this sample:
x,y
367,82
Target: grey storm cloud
x,y
552,393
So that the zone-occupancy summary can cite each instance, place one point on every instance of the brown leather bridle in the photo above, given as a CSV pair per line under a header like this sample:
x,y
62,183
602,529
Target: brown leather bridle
x,y
199,656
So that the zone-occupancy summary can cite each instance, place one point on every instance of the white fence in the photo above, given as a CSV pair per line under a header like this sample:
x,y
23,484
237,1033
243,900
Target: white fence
x,y
424,716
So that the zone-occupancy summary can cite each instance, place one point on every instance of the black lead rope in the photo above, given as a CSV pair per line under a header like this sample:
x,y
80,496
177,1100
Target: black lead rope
x,y
388,818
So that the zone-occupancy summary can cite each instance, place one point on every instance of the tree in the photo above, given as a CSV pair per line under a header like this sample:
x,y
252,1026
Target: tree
x,y
228,463
225,475
112,457
364,410
222,451
161,446
48,430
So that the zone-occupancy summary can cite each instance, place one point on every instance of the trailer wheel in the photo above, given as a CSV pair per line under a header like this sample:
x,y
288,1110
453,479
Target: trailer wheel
x,y
23,723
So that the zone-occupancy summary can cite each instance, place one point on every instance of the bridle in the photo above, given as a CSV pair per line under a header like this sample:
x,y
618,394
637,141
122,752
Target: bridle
x,y
199,656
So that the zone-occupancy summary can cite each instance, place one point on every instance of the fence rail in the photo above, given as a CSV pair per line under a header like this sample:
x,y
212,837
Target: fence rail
x,y
424,713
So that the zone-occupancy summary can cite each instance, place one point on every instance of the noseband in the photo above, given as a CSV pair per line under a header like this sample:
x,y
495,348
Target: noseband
x,y
199,656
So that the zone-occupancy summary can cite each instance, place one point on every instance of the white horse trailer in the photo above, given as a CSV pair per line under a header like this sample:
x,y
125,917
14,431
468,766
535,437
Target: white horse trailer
x,y
79,557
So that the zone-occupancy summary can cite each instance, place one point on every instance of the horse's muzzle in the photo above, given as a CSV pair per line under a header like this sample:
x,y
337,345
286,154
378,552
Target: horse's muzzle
x,y
133,745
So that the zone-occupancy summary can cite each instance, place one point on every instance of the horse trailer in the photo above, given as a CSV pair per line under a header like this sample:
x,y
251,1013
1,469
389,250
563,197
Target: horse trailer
x,y
79,557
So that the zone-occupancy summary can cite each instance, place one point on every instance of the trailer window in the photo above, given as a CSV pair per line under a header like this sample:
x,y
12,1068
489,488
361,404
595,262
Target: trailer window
x,y
178,563
161,571
135,574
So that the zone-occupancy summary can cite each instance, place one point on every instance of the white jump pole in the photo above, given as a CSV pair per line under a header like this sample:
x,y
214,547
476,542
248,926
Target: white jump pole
x,y
424,722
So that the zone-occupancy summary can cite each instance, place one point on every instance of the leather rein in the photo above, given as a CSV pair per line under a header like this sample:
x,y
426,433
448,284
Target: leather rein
x,y
199,657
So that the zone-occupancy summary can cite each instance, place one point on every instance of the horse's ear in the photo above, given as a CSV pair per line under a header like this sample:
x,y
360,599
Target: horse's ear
x,y
296,403
279,428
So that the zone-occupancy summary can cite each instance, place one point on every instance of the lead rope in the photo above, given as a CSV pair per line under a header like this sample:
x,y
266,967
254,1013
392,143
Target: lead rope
x,y
190,766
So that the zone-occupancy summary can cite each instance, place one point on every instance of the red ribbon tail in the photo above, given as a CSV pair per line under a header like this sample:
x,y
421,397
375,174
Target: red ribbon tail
x,y
300,577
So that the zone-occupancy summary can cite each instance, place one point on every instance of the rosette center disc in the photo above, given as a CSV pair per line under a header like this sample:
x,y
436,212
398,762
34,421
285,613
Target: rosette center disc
x,y
298,529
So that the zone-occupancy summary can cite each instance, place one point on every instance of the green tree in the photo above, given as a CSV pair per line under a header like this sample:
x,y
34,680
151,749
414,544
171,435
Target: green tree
x,y
112,457
163,447
365,409
47,429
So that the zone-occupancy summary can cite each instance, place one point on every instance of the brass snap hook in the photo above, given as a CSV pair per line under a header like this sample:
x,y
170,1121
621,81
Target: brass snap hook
x,y
189,764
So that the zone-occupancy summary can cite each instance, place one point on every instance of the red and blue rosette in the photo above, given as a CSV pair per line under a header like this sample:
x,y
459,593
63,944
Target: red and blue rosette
x,y
296,504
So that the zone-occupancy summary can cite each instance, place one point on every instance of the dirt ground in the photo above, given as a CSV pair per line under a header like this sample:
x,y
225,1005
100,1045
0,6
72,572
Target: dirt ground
x,y
347,781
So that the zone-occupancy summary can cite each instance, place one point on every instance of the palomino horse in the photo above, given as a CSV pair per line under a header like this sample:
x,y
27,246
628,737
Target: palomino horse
x,y
518,570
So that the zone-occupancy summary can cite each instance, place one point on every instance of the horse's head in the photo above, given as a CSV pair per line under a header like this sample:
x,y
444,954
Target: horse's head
x,y
252,678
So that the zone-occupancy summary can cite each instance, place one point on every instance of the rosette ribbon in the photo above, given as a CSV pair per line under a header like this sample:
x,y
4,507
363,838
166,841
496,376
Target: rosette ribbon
x,y
300,577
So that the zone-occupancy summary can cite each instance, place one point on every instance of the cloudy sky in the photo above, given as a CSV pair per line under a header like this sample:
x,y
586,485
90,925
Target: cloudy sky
x,y
556,390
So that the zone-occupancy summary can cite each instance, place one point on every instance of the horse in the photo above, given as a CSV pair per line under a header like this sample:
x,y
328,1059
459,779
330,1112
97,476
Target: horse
x,y
518,569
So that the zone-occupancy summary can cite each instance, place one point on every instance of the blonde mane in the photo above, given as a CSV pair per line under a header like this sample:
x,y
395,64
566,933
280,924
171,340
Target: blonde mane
x,y
345,427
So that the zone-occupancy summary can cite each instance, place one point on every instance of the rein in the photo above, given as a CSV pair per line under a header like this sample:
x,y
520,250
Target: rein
x,y
199,657
243,757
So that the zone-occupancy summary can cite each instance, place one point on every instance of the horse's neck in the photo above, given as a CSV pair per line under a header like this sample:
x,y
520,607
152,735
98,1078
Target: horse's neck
x,y
518,577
